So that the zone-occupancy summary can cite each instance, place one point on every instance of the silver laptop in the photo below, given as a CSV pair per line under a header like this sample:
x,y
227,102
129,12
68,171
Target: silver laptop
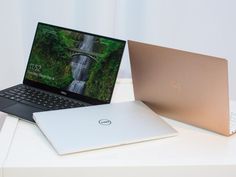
x,y
96,127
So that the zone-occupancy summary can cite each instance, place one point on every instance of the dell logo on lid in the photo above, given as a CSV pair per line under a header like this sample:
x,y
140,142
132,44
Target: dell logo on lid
x,y
104,122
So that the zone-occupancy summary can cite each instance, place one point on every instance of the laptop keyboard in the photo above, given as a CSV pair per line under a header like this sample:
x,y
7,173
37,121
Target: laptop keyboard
x,y
36,98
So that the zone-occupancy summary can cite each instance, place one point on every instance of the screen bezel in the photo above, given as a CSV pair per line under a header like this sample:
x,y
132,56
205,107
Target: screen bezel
x,y
69,94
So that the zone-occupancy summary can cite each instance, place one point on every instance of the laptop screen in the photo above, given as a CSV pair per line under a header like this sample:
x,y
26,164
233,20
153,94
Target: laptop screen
x,y
74,61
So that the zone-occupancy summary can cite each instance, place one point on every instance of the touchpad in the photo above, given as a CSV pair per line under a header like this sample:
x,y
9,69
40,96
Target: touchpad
x,y
5,102
22,111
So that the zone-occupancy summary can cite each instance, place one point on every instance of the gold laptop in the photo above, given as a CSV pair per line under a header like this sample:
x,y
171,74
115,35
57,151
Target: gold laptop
x,y
185,86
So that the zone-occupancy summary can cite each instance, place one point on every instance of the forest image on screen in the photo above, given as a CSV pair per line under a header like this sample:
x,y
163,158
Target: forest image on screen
x,y
73,61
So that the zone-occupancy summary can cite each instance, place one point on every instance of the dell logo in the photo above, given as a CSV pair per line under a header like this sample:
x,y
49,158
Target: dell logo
x,y
63,93
104,122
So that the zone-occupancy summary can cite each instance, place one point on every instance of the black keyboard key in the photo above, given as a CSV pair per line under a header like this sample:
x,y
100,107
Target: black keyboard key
x,y
2,94
17,99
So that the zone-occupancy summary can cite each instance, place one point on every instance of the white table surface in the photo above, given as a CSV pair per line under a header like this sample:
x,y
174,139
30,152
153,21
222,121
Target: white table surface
x,y
6,137
193,153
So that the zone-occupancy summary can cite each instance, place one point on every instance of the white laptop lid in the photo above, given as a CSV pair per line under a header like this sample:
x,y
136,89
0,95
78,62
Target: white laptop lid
x,y
95,127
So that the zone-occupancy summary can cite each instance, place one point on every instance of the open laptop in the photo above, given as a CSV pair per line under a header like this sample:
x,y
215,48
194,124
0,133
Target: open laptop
x,y
101,126
66,68
188,87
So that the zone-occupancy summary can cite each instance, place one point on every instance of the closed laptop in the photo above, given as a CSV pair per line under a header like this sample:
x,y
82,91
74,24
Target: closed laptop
x,y
96,127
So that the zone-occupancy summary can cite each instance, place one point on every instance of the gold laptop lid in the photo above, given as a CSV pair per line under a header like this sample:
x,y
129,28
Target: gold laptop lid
x,y
185,86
